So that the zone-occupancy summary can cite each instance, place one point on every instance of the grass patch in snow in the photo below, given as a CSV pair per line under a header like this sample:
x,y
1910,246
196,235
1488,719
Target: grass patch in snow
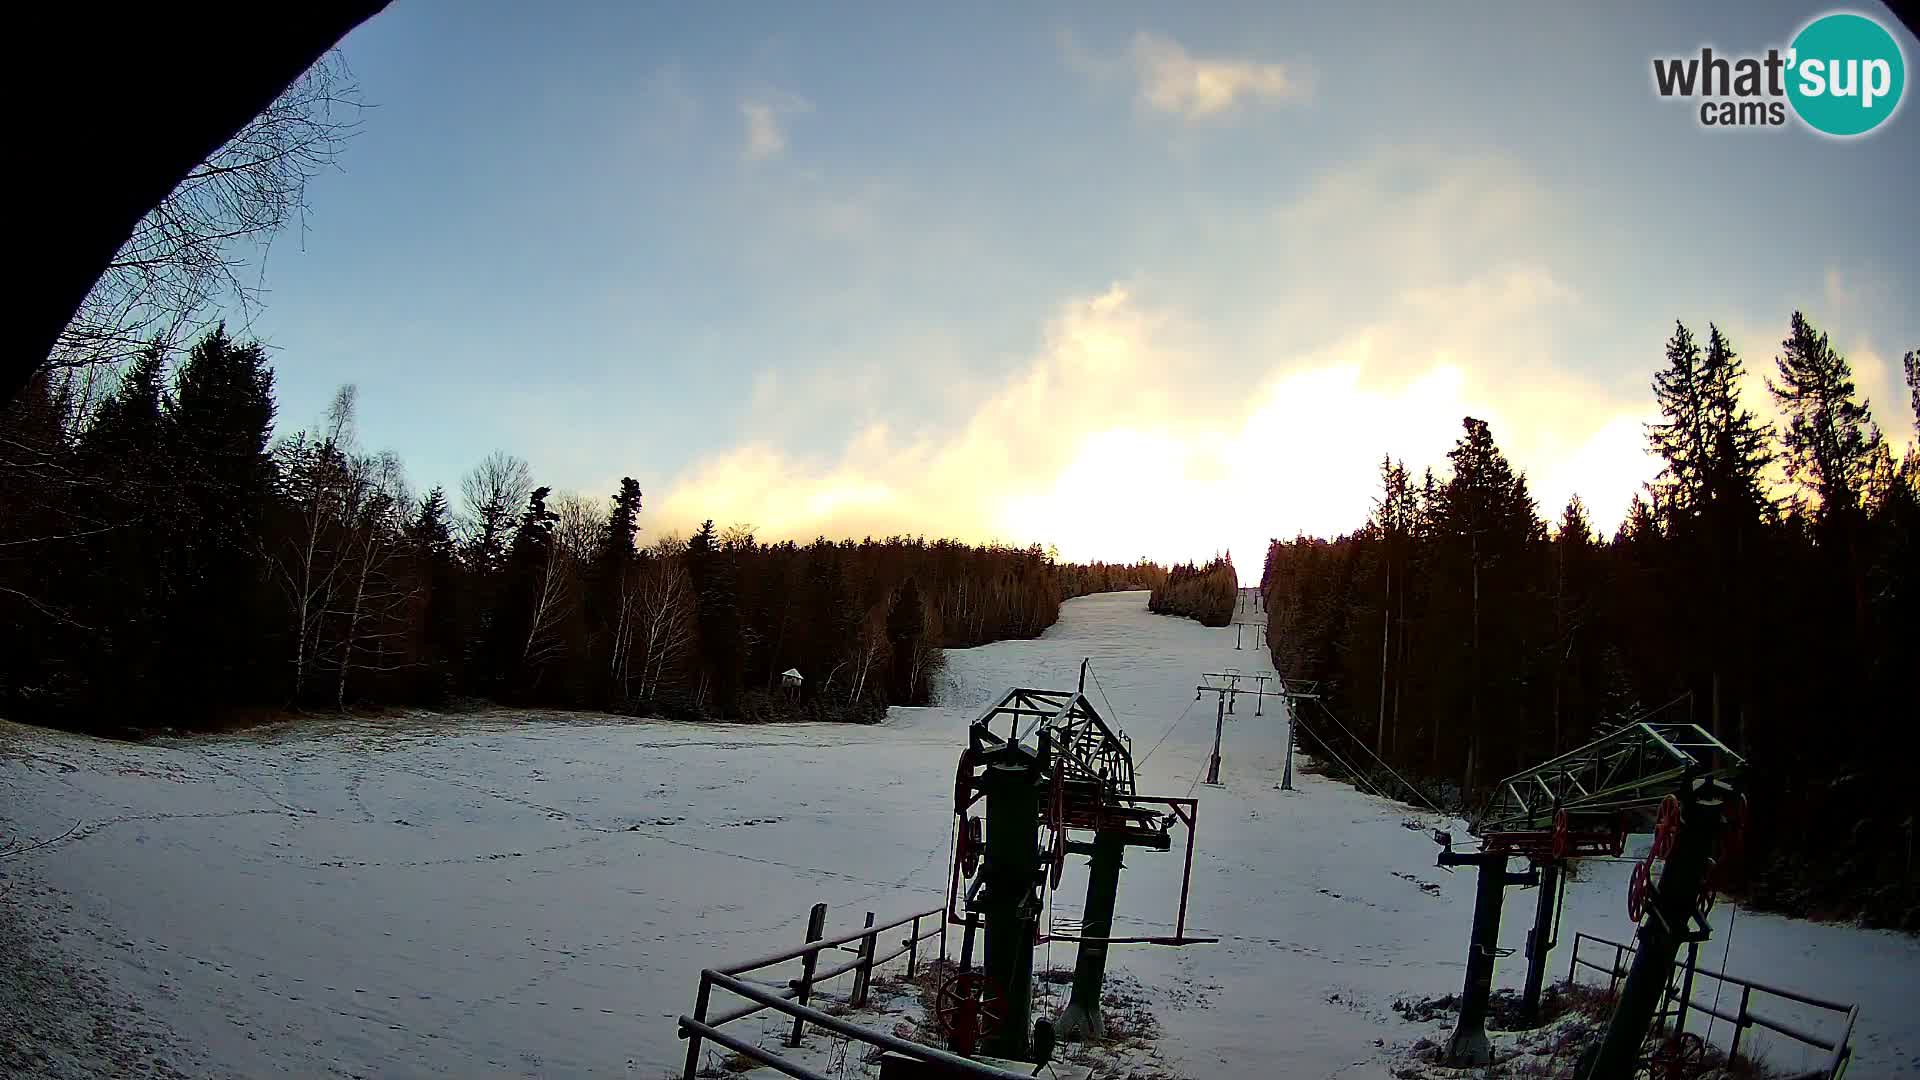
x,y
1572,1018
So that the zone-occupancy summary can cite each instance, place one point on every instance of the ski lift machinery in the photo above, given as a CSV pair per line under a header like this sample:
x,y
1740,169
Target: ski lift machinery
x,y
1583,803
1054,780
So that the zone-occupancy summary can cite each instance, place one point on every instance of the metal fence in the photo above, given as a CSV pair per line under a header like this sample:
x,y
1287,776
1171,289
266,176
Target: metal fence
x,y
791,998
1679,1001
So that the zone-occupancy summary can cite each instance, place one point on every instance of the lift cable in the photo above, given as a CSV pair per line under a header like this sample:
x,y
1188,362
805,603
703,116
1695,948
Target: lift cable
x,y
1403,780
1111,711
1163,736
1359,777
1733,913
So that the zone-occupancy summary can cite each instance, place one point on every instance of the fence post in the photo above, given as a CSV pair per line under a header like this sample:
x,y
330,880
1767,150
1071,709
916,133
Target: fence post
x,y
943,934
1686,987
693,1037
816,929
1740,1024
863,975
913,948
1613,976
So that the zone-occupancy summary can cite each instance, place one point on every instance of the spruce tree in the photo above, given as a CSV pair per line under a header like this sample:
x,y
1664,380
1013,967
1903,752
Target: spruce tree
x,y
1738,445
1574,656
1680,439
1911,362
515,620
1489,528
1712,498
130,491
831,619
430,535
1830,438
609,605
218,424
722,647
906,635
623,524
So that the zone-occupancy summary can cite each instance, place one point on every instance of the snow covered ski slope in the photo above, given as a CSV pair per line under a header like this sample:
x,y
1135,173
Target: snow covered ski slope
x,y
518,895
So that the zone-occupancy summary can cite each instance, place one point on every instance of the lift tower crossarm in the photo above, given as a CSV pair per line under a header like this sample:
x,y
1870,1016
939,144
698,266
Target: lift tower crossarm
x,y
1578,804
1631,768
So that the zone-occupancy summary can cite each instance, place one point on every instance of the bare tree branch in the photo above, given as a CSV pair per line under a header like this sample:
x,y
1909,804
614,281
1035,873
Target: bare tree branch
x,y
184,257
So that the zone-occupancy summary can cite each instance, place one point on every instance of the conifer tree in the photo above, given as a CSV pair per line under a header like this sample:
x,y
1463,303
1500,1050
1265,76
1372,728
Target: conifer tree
x,y
1911,362
722,646
430,535
1830,438
906,633
1488,526
217,427
1680,439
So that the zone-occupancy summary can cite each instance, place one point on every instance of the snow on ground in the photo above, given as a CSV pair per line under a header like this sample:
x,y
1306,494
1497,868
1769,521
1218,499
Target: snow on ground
x,y
517,894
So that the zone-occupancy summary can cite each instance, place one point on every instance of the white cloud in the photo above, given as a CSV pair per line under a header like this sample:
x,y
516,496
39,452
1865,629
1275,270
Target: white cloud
x,y
765,138
1172,80
766,133
1245,396
1089,448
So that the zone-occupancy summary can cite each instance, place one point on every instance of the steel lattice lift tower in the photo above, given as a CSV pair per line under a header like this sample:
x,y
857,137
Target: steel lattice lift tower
x,y
1056,780
1583,803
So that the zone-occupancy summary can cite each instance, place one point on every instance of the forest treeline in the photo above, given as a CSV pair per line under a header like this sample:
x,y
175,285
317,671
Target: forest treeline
x,y
1203,593
1764,587
166,561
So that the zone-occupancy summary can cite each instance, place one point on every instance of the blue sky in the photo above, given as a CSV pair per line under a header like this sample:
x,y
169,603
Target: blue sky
x,y
1132,279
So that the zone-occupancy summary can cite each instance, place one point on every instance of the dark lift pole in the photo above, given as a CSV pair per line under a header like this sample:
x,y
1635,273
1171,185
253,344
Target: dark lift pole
x,y
1666,928
1469,1046
1219,725
1011,873
1081,1018
1541,939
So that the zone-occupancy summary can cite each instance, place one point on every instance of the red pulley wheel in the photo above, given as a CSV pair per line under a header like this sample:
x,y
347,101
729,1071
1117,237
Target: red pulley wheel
x,y
1637,888
970,845
970,1007
963,784
1561,841
1681,1056
1666,827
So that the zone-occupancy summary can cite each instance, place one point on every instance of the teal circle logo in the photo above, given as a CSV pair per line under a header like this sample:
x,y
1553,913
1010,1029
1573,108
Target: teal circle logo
x,y
1845,74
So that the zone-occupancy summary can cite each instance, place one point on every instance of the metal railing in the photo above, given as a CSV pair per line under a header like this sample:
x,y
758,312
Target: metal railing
x,y
1679,1001
791,999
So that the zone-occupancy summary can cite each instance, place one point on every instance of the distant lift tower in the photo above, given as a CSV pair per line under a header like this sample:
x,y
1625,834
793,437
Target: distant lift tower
x,y
1258,637
1583,803
1228,686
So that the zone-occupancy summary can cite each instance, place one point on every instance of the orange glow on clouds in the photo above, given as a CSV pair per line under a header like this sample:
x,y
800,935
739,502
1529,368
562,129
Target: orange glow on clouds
x,y
1088,450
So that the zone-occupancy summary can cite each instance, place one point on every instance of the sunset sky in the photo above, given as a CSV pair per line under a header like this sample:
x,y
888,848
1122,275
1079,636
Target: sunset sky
x,y
1128,279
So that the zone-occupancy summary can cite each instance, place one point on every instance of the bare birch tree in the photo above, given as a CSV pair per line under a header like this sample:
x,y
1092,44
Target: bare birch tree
x,y
870,650
375,597
307,566
663,614
553,598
